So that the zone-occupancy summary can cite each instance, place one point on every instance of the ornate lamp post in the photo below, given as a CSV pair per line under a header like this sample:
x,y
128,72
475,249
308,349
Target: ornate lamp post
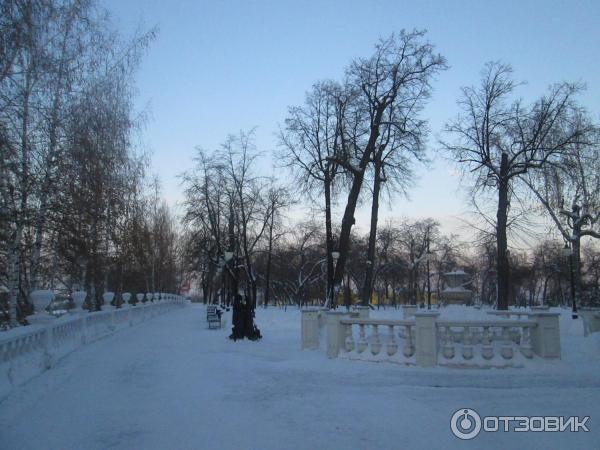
x,y
568,252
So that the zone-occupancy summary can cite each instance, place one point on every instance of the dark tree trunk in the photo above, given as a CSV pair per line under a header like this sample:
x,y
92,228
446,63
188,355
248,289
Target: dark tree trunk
x,y
576,247
328,237
357,181
268,270
368,283
501,239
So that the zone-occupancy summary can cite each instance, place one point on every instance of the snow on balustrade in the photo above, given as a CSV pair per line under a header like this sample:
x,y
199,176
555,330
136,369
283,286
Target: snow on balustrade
x,y
379,340
503,343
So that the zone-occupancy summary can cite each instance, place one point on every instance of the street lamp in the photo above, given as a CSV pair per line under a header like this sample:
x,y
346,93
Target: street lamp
x,y
568,252
335,256
428,256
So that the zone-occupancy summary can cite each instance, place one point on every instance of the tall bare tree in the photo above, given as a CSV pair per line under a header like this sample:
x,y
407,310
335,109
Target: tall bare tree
x,y
381,89
497,139
311,137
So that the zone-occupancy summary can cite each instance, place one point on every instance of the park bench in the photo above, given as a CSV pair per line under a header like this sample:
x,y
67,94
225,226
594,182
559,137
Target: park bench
x,y
213,316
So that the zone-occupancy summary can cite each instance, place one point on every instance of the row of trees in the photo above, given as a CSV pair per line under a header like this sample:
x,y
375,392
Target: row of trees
x,y
357,141
76,210
292,270
233,211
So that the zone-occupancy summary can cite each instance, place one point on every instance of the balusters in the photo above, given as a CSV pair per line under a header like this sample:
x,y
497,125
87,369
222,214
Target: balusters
x,y
376,344
447,343
487,351
467,350
349,338
408,349
526,349
362,340
392,346
515,335
506,350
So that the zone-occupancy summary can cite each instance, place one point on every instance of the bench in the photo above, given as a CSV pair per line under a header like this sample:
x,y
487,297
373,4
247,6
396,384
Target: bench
x,y
213,316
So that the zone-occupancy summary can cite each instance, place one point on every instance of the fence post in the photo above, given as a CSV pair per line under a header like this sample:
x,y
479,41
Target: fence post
x,y
426,338
545,337
335,333
310,329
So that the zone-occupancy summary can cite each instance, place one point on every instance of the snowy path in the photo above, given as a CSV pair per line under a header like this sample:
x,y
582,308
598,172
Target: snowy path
x,y
171,383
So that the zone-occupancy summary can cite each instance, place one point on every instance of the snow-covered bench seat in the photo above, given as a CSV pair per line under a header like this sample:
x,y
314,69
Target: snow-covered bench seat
x,y
591,320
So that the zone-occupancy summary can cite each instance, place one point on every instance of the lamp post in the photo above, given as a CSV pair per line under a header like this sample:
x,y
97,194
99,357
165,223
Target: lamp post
x,y
335,256
568,252
428,255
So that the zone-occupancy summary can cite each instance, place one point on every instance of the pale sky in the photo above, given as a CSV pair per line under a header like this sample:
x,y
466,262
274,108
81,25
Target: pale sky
x,y
220,67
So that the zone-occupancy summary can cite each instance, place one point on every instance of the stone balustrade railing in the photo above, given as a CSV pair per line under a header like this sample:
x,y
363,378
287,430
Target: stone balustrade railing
x,y
25,353
426,340
393,340
498,343
591,320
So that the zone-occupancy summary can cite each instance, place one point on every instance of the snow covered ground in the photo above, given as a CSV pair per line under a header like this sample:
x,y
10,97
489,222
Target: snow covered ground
x,y
170,383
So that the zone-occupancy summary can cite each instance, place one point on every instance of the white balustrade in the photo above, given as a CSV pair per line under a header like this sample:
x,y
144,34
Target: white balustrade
x,y
484,343
377,340
428,341
591,320
31,352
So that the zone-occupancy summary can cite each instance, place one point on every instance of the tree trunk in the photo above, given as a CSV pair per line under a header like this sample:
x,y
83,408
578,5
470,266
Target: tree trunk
x,y
14,275
501,239
328,237
268,274
576,247
368,283
357,181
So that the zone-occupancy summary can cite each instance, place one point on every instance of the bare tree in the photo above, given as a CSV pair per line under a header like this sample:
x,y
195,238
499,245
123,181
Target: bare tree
x,y
378,89
311,137
569,191
497,140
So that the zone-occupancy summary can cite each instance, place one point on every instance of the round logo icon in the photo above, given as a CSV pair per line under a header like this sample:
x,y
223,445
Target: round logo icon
x,y
465,423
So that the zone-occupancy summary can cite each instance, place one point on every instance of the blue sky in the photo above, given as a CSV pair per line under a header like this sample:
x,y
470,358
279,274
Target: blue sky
x,y
220,67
